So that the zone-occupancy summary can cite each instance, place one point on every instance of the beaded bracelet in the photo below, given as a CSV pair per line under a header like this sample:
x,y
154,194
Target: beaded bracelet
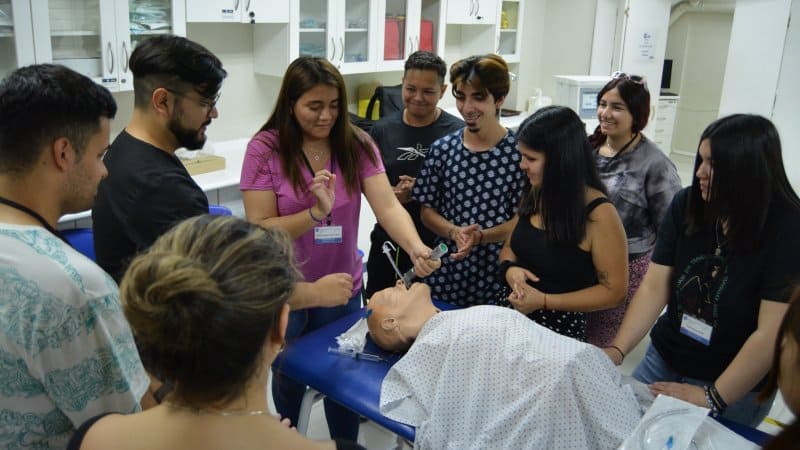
x,y
711,405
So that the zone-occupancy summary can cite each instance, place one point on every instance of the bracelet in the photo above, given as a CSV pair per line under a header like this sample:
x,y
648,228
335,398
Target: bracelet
x,y
717,398
544,301
480,238
312,216
712,405
617,349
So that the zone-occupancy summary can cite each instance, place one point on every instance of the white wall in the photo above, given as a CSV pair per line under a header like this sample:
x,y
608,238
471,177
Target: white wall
x,y
788,98
698,45
566,45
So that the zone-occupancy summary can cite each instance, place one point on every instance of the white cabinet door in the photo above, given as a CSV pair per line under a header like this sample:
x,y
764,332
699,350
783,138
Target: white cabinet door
x,y
405,26
16,36
214,10
80,34
356,35
509,30
468,12
265,11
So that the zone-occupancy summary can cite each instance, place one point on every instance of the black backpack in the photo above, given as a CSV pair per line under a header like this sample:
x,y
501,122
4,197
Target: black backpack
x,y
391,100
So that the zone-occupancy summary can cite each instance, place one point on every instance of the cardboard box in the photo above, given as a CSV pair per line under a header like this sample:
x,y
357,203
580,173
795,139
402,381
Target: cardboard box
x,y
203,164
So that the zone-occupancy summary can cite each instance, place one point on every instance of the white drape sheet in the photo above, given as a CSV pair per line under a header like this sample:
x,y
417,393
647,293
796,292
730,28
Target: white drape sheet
x,y
489,377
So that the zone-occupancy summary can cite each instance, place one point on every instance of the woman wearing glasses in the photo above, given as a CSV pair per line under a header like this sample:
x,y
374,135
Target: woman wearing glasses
x,y
723,265
305,171
641,182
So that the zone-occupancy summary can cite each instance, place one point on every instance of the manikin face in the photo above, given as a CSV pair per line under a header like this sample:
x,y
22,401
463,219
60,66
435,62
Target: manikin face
x,y
81,188
615,118
705,172
191,117
391,308
316,112
532,163
422,91
477,107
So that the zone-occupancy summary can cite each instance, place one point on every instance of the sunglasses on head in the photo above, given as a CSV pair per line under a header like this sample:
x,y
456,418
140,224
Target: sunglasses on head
x,y
634,78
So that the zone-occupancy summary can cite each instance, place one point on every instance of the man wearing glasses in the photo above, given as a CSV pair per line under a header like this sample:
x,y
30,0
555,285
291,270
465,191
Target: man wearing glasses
x,y
176,86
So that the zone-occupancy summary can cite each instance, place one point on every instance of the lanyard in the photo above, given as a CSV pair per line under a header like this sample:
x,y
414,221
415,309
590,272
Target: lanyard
x,y
33,214
311,169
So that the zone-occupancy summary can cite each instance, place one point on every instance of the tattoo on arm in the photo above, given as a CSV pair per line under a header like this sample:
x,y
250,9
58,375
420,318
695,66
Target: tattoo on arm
x,y
602,278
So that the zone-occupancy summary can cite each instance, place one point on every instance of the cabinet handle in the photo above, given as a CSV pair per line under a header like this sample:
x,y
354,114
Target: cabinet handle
x,y
341,44
124,57
416,46
247,6
471,7
236,5
477,9
110,52
333,46
410,45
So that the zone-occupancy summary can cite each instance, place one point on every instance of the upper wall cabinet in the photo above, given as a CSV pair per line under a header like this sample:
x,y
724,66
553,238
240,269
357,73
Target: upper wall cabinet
x,y
406,26
509,32
244,11
96,37
342,31
357,36
468,12
16,36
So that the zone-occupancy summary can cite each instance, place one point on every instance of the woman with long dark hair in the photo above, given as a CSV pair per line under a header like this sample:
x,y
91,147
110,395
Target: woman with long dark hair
x,y
641,182
305,171
724,263
567,253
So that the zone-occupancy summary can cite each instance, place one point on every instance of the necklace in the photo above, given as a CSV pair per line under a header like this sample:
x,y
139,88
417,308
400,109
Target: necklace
x,y
315,154
208,412
718,250
12,204
624,147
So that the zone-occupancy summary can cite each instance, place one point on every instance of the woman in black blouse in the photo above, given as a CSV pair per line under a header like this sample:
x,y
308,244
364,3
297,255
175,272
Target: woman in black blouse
x,y
567,254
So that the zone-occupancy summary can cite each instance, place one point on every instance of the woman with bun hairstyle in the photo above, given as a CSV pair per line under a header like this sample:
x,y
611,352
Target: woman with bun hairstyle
x,y
640,180
207,304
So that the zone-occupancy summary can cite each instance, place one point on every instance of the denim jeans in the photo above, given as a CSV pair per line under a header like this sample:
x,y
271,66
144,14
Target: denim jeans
x,y
747,410
288,394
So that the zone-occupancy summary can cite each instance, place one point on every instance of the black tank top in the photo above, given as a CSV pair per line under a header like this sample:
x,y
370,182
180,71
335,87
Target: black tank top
x,y
559,268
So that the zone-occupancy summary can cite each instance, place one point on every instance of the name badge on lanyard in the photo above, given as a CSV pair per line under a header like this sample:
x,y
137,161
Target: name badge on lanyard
x,y
328,234
696,329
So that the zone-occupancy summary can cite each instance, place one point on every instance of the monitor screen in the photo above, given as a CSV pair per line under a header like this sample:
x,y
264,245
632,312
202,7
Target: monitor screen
x,y
666,74
588,103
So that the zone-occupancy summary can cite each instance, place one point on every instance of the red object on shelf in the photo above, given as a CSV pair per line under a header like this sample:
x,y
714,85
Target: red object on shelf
x,y
393,39
426,35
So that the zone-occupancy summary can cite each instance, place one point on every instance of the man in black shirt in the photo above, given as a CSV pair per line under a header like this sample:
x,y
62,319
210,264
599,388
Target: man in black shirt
x,y
176,86
404,139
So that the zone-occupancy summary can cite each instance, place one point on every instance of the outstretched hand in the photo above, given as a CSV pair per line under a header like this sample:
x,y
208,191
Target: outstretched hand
x,y
524,297
465,238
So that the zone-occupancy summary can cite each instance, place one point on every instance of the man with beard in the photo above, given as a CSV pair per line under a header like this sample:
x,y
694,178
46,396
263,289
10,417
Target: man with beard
x,y
176,86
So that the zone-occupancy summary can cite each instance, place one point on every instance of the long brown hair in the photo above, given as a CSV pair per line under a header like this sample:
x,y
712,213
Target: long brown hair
x,y
303,74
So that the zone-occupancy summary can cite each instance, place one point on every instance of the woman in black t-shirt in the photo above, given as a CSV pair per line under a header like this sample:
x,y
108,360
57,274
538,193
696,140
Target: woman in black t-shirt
x,y
725,258
567,253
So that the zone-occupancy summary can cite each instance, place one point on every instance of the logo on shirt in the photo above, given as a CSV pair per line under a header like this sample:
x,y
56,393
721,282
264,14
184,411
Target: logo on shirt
x,y
412,153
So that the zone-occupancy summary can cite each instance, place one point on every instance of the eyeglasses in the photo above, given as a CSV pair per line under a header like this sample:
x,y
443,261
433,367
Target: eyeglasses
x,y
634,78
205,102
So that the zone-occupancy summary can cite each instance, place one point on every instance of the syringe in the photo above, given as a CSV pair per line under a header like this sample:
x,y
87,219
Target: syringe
x,y
355,355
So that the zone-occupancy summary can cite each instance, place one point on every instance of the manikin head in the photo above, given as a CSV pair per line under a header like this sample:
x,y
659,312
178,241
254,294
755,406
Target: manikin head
x,y
396,315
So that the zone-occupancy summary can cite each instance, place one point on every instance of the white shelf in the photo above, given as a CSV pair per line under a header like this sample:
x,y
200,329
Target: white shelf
x,y
312,30
74,33
508,30
357,30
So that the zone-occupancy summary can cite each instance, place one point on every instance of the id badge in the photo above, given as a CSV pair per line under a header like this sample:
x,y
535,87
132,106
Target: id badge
x,y
696,329
329,234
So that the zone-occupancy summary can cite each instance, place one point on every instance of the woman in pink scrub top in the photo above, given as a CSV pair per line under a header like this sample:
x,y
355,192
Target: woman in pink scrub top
x,y
305,171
